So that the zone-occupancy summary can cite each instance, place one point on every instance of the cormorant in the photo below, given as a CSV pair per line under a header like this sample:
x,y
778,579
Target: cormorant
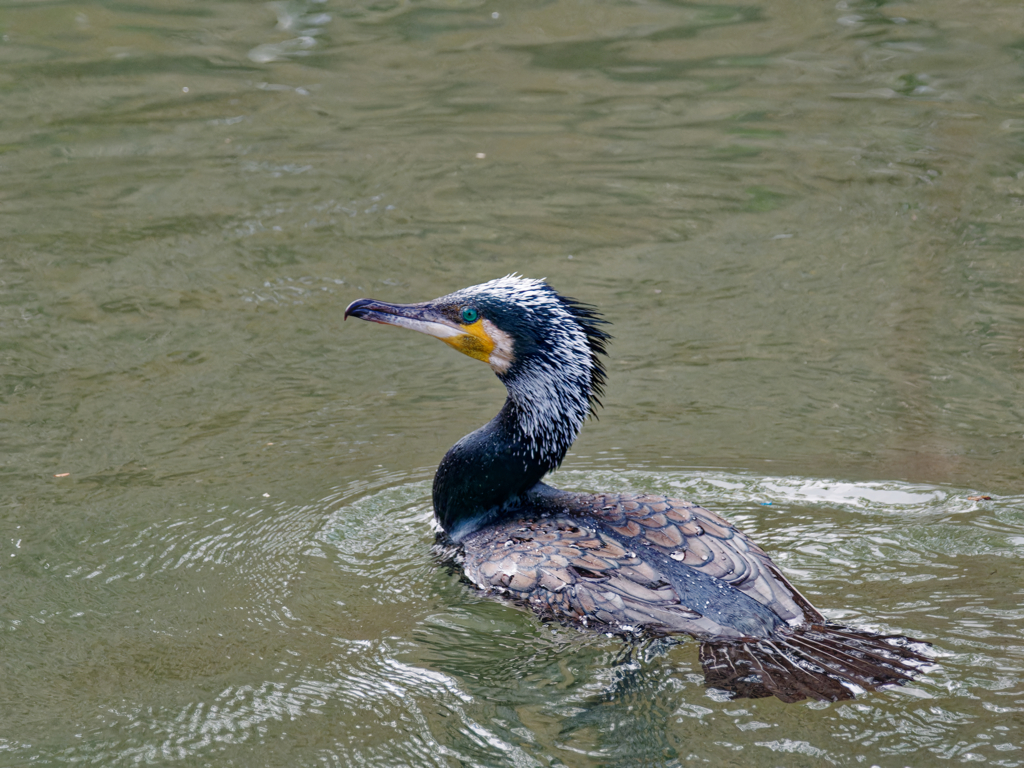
x,y
618,563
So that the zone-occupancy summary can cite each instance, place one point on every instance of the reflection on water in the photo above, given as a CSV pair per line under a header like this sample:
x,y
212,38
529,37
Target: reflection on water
x,y
342,626
804,221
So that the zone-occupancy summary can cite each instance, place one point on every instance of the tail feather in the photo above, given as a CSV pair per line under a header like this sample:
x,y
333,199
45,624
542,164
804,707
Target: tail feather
x,y
881,656
845,663
821,662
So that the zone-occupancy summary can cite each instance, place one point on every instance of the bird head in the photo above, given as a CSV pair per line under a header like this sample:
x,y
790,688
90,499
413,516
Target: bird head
x,y
536,340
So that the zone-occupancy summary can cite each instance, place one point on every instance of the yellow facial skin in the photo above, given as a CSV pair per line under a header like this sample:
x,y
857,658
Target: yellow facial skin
x,y
475,341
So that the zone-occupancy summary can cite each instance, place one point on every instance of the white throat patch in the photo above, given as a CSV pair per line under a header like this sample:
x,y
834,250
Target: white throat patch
x,y
504,352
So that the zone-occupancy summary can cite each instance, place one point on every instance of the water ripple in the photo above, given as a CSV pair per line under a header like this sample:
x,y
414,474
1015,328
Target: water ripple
x,y
333,618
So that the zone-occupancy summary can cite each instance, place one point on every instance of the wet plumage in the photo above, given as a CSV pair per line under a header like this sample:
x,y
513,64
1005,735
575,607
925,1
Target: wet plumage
x,y
620,563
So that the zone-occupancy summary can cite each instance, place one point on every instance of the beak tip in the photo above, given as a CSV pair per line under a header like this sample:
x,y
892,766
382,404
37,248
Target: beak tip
x,y
353,308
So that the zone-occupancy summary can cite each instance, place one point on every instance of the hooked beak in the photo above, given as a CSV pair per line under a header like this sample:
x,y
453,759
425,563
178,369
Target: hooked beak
x,y
417,317
472,339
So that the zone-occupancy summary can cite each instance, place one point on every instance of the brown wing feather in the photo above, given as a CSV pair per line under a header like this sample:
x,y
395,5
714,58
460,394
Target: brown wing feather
x,y
705,541
569,571
560,565
575,559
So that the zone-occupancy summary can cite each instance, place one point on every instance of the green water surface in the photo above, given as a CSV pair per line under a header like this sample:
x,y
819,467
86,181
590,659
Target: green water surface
x,y
805,221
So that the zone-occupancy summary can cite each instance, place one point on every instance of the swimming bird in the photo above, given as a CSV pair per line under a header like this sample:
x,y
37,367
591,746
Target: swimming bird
x,y
620,563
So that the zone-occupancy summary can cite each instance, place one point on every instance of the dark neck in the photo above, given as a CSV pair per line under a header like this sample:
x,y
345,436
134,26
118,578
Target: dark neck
x,y
486,474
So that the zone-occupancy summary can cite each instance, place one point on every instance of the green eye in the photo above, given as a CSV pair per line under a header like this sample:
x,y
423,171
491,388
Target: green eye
x,y
469,315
